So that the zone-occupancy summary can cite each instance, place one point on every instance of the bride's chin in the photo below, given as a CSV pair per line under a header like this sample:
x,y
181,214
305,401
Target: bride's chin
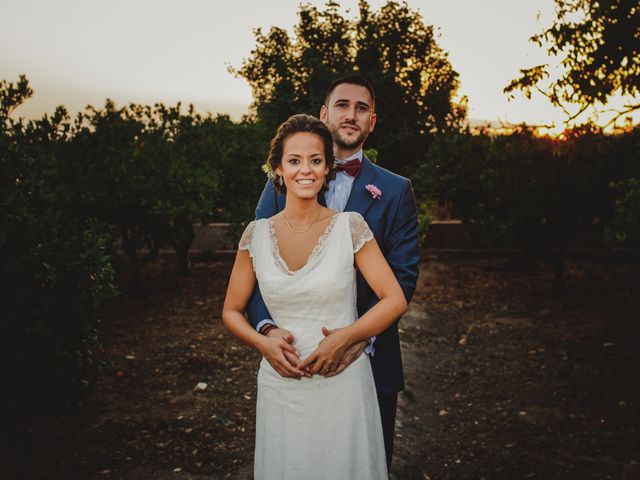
x,y
304,193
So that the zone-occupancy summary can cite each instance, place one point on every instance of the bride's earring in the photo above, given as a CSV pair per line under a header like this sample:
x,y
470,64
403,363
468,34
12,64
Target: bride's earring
x,y
280,181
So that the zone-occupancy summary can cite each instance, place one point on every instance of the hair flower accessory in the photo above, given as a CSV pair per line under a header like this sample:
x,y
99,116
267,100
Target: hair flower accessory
x,y
266,168
375,192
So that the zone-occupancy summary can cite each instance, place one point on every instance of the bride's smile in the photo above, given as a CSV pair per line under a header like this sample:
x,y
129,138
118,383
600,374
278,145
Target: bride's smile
x,y
303,166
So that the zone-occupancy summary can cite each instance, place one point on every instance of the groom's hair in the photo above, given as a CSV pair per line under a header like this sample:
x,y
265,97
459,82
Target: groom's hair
x,y
300,122
353,79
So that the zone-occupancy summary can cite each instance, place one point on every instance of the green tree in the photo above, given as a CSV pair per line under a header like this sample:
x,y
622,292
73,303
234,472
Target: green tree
x,y
56,266
535,193
598,46
236,150
135,169
624,228
393,47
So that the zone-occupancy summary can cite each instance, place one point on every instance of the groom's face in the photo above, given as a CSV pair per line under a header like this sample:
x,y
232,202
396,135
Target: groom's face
x,y
349,116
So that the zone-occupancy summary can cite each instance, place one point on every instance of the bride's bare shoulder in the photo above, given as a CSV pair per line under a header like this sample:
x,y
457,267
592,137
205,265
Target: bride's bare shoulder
x,y
328,213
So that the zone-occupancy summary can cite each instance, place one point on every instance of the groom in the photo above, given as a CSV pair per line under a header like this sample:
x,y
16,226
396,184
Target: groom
x,y
349,113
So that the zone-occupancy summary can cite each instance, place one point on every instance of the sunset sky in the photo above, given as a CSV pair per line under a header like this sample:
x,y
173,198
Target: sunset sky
x,y
77,52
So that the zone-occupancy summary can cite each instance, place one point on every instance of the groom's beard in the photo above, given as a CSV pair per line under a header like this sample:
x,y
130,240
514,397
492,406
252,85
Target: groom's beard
x,y
344,142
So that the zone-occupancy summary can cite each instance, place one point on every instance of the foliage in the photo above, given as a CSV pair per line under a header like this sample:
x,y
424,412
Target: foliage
x,y
56,265
424,220
71,190
140,170
536,193
371,154
236,151
598,45
393,47
11,97
625,228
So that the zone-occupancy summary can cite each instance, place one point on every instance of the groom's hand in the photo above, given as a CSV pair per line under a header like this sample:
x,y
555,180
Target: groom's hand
x,y
287,366
350,355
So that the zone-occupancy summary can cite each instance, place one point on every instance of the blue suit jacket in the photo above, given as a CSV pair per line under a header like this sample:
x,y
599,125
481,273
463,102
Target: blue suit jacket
x,y
393,221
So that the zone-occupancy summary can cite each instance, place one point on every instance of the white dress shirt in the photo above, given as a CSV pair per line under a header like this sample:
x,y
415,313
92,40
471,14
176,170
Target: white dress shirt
x,y
338,191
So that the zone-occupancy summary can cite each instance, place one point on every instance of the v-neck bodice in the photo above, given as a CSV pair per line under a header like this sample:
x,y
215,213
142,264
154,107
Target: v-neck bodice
x,y
315,252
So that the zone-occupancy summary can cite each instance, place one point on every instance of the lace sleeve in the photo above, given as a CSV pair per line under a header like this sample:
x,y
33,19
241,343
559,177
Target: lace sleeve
x,y
247,237
360,231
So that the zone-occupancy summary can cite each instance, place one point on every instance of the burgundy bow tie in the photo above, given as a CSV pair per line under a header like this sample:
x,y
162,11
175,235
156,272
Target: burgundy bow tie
x,y
352,167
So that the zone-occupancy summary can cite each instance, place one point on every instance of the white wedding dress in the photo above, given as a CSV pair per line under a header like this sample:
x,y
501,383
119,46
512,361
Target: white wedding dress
x,y
315,428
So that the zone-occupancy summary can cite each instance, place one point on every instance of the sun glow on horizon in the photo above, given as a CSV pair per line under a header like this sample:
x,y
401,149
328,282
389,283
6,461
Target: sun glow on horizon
x,y
77,53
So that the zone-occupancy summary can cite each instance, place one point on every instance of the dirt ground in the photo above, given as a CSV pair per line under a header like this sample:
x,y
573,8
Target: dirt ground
x,y
503,382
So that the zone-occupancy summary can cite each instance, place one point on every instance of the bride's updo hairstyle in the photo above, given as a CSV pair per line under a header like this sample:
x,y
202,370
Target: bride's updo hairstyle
x,y
295,124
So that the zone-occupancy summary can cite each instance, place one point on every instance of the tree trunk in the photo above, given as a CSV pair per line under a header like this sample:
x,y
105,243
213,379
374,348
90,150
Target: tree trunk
x,y
129,245
559,284
136,277
182,248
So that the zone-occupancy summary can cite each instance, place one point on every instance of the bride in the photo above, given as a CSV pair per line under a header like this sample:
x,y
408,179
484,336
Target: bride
x,y
304,260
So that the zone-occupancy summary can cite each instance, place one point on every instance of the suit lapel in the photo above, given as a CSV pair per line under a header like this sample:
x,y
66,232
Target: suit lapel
x,y
360,199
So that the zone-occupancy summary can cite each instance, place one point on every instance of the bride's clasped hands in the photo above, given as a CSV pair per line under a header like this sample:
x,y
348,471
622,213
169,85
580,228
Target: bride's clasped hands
x,y
333,354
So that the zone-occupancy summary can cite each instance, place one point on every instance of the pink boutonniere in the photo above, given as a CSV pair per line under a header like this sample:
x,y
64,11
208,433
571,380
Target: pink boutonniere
x,y
375,192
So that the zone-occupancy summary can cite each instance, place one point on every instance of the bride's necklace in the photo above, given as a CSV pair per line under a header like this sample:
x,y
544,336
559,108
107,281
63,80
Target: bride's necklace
x,y
304,229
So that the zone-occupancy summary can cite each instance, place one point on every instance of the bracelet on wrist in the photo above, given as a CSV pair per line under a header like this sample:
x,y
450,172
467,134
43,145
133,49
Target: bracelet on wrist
x,y
267,328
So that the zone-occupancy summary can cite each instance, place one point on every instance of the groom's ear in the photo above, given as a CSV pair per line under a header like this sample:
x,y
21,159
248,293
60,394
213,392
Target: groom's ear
x,y
324,113
372,124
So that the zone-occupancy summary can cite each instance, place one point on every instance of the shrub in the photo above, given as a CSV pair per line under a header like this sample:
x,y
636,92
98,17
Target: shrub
x,y
55,265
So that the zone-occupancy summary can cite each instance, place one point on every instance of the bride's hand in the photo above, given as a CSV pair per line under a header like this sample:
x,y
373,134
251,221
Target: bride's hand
x,y
350,355
327,357
279,352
